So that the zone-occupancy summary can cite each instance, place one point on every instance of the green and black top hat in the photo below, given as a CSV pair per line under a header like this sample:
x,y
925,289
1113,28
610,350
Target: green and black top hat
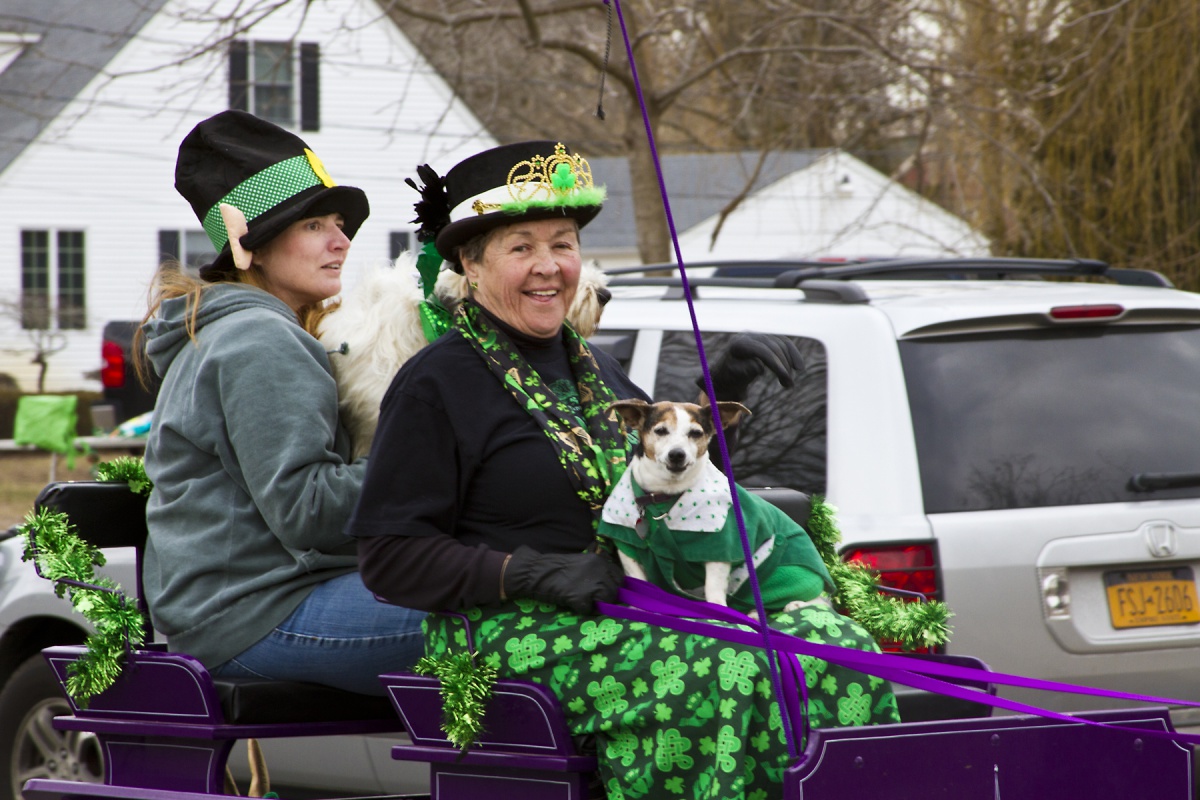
x,y
265,171
526,180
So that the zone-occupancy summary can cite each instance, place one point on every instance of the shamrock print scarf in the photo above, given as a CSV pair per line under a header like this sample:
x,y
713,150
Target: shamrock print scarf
x,y
588,440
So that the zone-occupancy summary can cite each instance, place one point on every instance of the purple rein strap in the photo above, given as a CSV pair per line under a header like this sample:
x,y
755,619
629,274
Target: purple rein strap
x,y
654,606
646,603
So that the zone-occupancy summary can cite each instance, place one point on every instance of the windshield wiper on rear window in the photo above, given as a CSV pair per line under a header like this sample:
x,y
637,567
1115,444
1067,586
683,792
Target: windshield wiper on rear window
x,y
1152,481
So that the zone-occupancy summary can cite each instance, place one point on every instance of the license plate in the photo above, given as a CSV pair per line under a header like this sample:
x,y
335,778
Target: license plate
x,y
1144,598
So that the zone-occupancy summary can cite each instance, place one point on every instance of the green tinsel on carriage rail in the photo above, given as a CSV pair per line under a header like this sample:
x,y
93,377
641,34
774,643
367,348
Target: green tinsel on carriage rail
x,y
466,688
886,617
61,554
52,540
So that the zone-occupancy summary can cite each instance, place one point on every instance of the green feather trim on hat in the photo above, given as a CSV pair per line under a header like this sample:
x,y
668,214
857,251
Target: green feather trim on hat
x,y
594,196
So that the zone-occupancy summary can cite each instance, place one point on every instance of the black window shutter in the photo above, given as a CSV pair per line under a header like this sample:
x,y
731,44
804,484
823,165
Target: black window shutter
x,y
239,75
310,86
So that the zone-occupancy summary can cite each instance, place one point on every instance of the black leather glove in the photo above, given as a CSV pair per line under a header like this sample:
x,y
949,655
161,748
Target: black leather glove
x,y
576,580
745,359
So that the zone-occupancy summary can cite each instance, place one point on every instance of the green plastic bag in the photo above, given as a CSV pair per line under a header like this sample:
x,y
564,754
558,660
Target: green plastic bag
x,y
47,421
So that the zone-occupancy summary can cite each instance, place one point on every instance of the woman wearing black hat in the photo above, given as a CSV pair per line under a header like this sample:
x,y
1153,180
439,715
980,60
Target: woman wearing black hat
x,y
247,566
493,456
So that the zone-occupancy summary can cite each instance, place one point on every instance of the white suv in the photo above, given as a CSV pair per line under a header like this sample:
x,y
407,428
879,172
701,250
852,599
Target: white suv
x,y
1027,450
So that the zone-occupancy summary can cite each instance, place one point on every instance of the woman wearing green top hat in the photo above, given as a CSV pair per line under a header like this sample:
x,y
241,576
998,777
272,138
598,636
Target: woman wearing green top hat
x,y
494,454
247,566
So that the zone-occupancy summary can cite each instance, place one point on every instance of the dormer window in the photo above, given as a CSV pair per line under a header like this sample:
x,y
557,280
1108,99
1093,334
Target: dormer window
x,y
278,81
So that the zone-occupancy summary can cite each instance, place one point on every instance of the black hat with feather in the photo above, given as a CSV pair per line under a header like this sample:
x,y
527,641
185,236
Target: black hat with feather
x,y
526,180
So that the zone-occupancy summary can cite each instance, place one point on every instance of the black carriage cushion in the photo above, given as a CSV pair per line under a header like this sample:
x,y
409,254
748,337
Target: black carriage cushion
x,y
256,701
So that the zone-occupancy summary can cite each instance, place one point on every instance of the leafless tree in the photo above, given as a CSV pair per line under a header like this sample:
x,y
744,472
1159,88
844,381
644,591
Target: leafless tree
x,y
1058,127
713,75
1071,128
29,332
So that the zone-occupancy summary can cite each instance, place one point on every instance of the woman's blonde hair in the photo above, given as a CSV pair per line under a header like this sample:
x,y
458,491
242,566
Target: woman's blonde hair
x,y
173,280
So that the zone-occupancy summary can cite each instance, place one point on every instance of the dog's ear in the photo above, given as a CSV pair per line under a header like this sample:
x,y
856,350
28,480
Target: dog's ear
x,y
632,411
731,412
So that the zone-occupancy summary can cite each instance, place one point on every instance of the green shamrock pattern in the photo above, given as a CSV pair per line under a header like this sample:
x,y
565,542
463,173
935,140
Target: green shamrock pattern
x,y
674,715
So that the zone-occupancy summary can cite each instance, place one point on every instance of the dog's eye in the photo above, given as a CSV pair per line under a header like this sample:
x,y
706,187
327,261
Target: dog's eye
x,y
695,433
661,430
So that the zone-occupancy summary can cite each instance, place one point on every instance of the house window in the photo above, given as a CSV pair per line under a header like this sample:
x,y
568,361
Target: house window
x,y
192,249
263,81
67,280
72,300
398,242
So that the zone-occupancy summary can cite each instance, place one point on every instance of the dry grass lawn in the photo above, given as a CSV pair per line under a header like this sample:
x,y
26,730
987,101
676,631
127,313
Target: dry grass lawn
x,y
22,476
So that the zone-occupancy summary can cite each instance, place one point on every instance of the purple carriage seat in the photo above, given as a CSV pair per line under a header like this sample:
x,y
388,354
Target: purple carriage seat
x,y
167,724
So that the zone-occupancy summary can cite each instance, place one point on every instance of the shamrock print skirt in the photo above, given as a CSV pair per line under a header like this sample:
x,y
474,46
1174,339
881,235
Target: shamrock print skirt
x,y
673,715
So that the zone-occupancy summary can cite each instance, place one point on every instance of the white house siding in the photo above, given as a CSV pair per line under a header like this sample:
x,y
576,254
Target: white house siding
x,y
836,207
105,165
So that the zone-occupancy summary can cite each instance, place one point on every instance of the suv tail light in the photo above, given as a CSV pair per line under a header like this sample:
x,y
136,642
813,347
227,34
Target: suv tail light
x,y
112,373
911,569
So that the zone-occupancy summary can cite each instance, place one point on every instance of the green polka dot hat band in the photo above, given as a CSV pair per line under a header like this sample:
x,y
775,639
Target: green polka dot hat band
x,y
267,172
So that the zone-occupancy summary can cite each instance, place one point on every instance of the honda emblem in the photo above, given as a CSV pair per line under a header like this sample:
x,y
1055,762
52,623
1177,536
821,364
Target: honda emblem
x,y
1161,539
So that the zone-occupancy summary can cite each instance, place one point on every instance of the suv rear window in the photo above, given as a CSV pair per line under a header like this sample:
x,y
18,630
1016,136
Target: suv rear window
x,y
1035,418
783,441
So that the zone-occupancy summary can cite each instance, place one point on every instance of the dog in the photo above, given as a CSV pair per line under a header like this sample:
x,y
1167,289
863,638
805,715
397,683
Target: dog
x,y
376,327
670,517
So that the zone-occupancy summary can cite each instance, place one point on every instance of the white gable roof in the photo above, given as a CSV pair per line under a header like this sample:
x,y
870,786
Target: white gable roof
x,y
104,164
837,206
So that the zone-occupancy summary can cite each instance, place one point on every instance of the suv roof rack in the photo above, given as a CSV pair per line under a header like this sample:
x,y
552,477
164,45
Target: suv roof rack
x,y
784,274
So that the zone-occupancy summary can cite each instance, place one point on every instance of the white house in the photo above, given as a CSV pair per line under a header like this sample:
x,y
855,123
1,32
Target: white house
x,y
804,204
96,96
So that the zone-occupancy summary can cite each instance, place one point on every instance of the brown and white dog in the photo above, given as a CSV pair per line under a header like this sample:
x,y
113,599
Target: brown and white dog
x,y
377,327
670,516
671,457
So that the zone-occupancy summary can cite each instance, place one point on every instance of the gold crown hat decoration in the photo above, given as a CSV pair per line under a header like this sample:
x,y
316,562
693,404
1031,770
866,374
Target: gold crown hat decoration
x,y
499,186
560,179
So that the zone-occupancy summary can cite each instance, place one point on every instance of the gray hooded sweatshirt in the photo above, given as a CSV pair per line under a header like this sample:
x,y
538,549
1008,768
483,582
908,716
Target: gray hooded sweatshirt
x,y
253,482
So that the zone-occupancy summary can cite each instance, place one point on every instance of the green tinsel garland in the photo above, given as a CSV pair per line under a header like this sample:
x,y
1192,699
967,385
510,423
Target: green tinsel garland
x,y
60,553
885,617
466,688
51,539
128,469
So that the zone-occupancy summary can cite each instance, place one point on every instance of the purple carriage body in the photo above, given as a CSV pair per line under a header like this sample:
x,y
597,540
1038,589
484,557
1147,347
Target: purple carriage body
x,y
166,729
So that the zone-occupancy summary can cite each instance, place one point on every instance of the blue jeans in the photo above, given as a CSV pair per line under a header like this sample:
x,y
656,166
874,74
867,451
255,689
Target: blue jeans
x,y
340,636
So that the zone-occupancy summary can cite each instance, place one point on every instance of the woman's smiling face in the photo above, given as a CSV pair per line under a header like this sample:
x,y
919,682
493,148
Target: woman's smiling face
x,y
528,274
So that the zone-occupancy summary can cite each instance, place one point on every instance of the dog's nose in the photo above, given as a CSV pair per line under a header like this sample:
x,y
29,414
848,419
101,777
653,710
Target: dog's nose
x,y
676,457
